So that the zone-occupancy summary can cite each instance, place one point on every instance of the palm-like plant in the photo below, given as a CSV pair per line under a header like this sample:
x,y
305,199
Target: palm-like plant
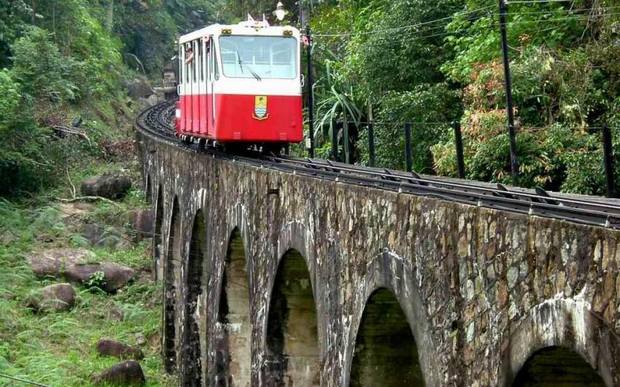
x,y
335,99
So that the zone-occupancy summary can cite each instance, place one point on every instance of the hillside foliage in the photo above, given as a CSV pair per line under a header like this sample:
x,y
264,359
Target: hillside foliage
x,y
68,61
433,63
428,63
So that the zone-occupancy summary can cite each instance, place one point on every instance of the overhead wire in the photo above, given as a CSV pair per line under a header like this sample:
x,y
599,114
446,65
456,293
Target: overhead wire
x,y
395,29
511,14
403,38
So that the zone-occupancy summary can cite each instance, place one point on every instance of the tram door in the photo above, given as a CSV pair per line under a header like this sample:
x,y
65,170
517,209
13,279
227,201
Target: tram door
x,y
207,89
210,87
202,89
189,78
195,91
181,86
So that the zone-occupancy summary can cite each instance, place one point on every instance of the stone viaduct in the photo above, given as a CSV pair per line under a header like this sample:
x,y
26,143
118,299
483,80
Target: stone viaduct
x,y
277,279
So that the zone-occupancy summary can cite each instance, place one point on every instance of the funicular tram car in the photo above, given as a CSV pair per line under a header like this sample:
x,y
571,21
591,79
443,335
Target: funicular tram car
x,y
240,84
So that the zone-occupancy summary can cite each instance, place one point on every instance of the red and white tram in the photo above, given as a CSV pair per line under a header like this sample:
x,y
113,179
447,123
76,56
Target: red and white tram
x,y
240,84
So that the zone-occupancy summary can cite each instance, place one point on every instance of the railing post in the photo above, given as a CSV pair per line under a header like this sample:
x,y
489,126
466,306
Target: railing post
x,y
512,136
608,153
335,140
458,143
371,144
345,138
408,155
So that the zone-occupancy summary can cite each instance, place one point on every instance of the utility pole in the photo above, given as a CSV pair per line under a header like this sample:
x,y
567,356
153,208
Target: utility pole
x,y
310,91
514,165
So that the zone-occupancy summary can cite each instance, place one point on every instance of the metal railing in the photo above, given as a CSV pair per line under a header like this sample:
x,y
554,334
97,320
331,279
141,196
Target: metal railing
x,y
342,139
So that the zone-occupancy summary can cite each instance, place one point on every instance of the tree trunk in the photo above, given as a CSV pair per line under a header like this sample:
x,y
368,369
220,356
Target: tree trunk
x,y
109,22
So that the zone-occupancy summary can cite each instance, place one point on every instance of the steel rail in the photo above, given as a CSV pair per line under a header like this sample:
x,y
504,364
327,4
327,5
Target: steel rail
x,y
156,121
469,187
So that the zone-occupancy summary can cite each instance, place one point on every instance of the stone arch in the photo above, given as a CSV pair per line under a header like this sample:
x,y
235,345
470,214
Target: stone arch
x,y
566,323
386,353
157,234
234,325
192,375
294,236
397,275
557,366
292,327
171,271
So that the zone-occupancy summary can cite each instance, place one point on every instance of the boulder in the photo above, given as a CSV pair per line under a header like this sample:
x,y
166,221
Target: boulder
x,y
109,185
53,298
140,339
127,373
73,213
114,348
73,265
114,277
139,88
53,262
102,236
114,313
142,223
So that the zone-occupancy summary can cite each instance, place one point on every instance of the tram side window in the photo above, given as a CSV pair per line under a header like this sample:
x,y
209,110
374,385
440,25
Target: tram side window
x,y
216,73
194,60
188,54
181,64
212,63
201,59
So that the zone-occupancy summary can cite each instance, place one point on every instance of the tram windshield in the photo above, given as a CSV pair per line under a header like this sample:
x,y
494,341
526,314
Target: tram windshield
x,y
259,57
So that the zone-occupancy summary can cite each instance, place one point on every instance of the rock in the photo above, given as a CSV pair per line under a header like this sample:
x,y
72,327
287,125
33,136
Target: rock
x,y
142,223
153,100
140,339
101,236
109,185
53,262
73,265
53,298
117,349
128,373
115,276
139,88
73,213
93,233
115,314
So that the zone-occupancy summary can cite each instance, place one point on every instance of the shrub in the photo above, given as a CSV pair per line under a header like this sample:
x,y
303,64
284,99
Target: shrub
x,y
24,165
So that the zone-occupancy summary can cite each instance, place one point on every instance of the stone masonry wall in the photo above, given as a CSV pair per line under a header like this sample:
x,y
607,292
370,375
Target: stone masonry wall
x,y
481,289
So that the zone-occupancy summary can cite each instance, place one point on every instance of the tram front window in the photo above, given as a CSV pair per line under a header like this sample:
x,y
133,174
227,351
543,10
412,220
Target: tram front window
x,y
259,57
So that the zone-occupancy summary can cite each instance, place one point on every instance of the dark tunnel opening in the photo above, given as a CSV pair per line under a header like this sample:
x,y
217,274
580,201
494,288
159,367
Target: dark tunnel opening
x,y
292,338
233,351
557,367
385,349
170,289
191,352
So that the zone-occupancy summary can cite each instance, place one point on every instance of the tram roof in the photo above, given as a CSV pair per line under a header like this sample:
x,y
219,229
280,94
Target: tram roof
x,y
243,28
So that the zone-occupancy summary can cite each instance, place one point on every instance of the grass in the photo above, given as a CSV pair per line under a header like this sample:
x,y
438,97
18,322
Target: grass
x,y
58,349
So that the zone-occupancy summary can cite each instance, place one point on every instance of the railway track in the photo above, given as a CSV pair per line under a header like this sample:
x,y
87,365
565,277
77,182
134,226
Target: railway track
x,y
156,122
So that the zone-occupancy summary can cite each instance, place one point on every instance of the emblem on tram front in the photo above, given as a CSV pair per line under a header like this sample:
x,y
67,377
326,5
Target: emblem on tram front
x,y
260,107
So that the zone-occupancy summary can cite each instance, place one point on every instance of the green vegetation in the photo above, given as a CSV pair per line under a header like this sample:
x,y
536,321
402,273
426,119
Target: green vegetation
x,y
65,114
431,63
59,348
66,62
